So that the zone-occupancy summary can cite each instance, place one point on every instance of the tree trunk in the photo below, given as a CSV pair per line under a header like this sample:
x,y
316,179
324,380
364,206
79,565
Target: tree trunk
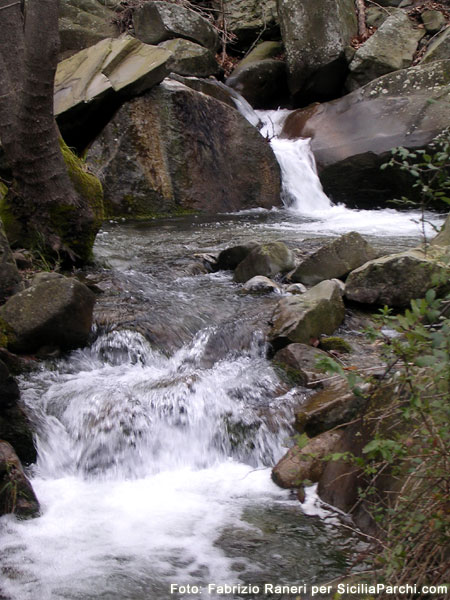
x,y
361,11
45,201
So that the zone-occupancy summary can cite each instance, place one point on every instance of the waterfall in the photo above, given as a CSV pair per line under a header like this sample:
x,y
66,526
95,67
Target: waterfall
x,y
301,188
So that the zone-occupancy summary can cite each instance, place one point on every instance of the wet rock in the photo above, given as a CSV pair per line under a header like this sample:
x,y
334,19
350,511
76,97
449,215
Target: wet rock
x,y
315,39
9,390
10,278
263,51
56,312
248,19
90,85
296,288
16,494
210,87
335,259
155,22
83,23
304,318
299,361
439,48
261,285
305,464
190,59
175,149
268,260
14,425
335,405
395,279
230,257
390,48
353,136
262,83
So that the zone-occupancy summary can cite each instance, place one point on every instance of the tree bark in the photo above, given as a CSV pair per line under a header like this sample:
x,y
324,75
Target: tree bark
x,y
361,11
28,132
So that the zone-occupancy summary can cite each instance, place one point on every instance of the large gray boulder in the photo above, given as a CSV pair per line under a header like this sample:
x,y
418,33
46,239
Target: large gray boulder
x,y
190,59
83,23
353,136
248,19
315,39
90,85
304,318
268,259
175,149
229,258
334,260
10,279
155,22
52,312
390,48
16,494
396,279
262,83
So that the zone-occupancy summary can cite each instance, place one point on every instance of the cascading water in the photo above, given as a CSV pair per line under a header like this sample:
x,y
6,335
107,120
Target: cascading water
x,y
154,458
153,466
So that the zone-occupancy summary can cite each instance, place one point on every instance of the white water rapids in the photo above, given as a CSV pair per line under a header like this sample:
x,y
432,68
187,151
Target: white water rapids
x,y
154,467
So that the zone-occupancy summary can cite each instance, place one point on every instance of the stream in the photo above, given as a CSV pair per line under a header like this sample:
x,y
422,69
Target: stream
x,y
156,442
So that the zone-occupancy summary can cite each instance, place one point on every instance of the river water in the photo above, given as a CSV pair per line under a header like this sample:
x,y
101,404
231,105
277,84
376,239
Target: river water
x,y
155,443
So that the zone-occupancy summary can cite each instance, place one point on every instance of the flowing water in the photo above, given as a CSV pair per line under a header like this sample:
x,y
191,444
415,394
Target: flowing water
x,y
155,443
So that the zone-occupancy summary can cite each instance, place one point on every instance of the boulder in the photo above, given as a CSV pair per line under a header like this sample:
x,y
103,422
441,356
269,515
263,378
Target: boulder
x,y
261,285
210,87
390,48
295,288
155,22
377,15
439,48
268,259
335,259
433,20
248,19
16,494
262,83
229,258
175,149
395,279
54,312
189,58
10,278
9,390
83,23
305,465
304,318
353,136
328,408
14,425
90,85
263,51
299,361
315,39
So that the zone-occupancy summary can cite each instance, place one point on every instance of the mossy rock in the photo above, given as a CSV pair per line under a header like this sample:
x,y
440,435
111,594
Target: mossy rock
x,y
79,240
6,334
335,343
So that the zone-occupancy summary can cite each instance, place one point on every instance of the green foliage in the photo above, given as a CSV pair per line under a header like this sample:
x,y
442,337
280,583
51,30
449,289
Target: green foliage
x,y
430,170
406,463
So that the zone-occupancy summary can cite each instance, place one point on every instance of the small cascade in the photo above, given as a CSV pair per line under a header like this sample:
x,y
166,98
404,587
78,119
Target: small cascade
x,y
301,188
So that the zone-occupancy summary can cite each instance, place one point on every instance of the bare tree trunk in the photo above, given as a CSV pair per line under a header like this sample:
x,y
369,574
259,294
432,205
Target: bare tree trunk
x,y
45,200
361,11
